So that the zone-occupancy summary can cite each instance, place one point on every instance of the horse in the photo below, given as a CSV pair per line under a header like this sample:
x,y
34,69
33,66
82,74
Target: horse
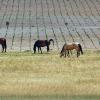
x,y
69,47
42,43
3,44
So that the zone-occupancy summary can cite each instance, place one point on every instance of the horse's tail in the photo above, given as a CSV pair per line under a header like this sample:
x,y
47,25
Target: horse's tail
x,y
34,48
52,41
80,48
5,44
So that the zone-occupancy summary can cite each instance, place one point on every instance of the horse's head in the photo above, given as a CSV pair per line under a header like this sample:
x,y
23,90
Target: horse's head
x,y
61,53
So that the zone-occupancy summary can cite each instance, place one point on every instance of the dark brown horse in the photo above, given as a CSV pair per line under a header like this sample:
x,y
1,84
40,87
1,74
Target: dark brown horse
x,y
42,43
68,47
3,44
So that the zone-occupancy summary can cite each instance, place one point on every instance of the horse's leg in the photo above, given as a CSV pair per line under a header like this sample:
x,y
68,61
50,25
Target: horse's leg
x,y
2,48
65,54
47,48
71,52
77,54
5,48
41,50
38,49
34,51
68,53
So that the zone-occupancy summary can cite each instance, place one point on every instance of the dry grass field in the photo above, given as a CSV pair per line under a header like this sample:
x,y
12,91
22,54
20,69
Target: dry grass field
x,y
28,76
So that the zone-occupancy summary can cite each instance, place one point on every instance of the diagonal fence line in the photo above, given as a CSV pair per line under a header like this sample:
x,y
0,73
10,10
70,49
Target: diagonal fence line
x,y
38,37
58,22
1,8
1,4
4,14
81,25
22,26
67,27
44,21
98,15
65,21
73,24
92,20
9,18
90,9
82,16
13,35
52,25
85,11
92,1
30,35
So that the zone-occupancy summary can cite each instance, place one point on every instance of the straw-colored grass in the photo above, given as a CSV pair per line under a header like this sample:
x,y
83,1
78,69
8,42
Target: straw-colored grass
x,y
25,74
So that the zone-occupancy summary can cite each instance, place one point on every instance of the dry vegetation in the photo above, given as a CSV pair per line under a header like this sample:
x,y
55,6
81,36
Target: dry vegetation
x,y
26,74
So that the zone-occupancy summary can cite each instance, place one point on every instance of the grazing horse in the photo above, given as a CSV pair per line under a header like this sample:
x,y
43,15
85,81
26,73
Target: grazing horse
x,y
69,47
42,43
3,44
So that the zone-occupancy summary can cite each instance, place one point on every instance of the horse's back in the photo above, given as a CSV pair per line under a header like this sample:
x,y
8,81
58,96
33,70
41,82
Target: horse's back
x,y
3,39
41,43
70,46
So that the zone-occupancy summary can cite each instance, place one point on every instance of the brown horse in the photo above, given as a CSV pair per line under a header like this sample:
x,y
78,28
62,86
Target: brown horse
x,y
3,44
42,43
69,47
